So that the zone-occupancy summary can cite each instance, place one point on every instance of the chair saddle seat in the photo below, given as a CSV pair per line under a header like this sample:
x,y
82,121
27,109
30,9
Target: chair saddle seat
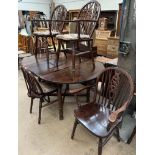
x,y
45,32
72,36
47,88
94,117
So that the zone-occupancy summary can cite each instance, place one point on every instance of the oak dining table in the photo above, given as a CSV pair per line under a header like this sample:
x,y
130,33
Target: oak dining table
x,y
44,67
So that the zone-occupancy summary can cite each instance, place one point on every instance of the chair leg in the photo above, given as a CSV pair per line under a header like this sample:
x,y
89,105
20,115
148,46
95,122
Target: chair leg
x,y
48,99
53,44
100,146
63,49
88,95
40,107
57,53
67,88
117,134
74,128
31,105
91,52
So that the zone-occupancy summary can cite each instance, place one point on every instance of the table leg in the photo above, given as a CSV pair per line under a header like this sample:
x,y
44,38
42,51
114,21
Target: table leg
x,y
60,102
73,57
58,52
36,50
88,95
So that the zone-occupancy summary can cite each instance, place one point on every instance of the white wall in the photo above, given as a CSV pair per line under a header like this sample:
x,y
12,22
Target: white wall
x,y
35,5
77,4
44,5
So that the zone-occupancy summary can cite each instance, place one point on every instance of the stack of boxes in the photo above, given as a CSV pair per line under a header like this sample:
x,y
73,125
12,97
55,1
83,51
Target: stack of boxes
x,y
106,45
101,41
113,46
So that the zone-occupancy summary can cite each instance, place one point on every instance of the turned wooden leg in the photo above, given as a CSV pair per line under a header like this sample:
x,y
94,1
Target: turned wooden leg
x,y
31,105
100,146
40,107
53,44
60,102
117,134
67,88
74,128
48,98
73,58
36,43
132,135
57,53
88,95
91,52
63,49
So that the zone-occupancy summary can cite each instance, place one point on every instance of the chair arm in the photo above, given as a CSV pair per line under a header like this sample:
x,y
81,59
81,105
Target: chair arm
x,y
114,115
77,90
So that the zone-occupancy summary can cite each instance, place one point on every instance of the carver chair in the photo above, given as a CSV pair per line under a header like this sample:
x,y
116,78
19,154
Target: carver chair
x,y
52,27
39,90
102,116
85,26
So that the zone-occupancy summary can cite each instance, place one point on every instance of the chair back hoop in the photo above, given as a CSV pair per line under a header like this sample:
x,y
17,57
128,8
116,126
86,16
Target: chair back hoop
x,y
32,84
90,11
114,89
59,13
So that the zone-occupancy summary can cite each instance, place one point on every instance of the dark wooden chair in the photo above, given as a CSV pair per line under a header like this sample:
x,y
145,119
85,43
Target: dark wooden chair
x,y
112,95
50,28
39,90
85,26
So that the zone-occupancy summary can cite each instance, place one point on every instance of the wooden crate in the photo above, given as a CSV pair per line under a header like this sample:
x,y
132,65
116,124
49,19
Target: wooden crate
x,y
113,46
101,45
102,34
103,23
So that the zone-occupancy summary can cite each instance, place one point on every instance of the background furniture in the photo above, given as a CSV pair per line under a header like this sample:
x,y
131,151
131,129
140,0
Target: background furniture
x,y
101,41
39,90
113,47
103,115
119,19
54,27
85,26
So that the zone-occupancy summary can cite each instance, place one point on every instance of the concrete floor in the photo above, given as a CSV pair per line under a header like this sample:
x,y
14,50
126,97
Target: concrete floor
x,y
52,137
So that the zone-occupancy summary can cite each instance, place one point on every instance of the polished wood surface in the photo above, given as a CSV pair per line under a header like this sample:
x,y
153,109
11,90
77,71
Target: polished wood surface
x,y
39,90
59,13
102,116
85,25
64,74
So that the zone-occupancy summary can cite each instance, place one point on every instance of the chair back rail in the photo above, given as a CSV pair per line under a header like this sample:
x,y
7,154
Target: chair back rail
x,y
59,13
32,84
90,11
116,88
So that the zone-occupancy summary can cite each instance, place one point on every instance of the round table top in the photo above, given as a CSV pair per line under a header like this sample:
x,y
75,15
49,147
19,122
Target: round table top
x,y
64,74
